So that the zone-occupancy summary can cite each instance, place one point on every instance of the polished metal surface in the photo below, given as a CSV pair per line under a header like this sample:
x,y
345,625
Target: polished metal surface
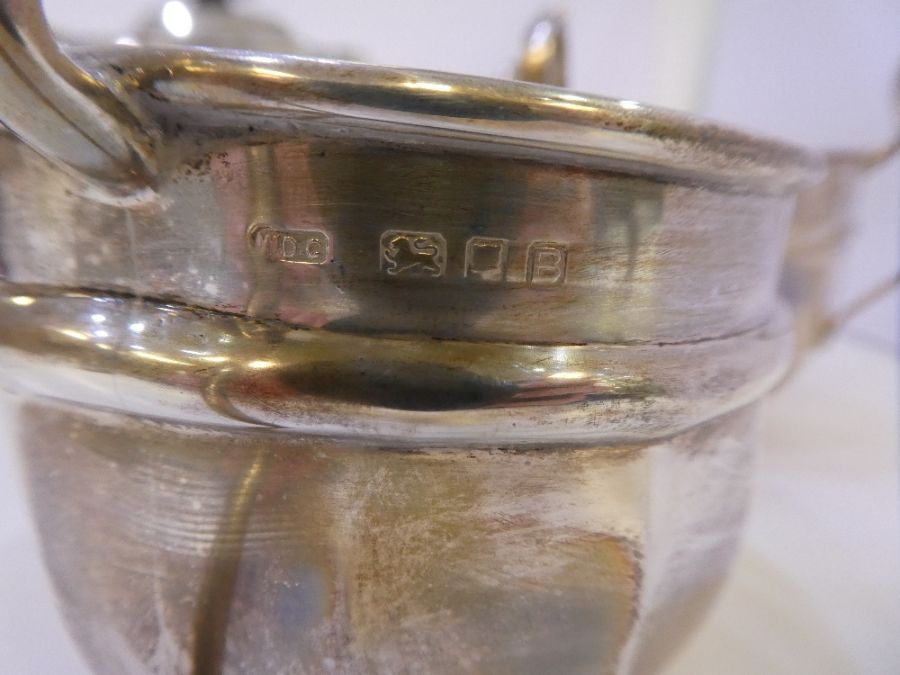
x,y
185,364
334,368
366,237
470,202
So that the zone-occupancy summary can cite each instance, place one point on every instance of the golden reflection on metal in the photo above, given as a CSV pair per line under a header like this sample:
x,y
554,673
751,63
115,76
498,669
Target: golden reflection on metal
x,y
423,85
321,382
264,201
261,364
157,358
569,375
567,105
216,594
272,74
74,334
215,359
198,67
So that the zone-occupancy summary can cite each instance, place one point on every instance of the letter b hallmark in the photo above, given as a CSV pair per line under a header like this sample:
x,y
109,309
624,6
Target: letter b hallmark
x,y
546,263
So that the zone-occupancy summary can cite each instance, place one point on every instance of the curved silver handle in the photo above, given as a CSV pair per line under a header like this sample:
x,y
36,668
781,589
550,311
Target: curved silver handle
x,y
822,223
78,119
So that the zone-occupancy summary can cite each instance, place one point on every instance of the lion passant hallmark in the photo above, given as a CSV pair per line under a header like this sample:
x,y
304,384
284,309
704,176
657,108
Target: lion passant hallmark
x,y
413,254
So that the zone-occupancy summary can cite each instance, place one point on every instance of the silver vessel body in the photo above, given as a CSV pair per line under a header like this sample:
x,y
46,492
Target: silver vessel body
x,y
332,368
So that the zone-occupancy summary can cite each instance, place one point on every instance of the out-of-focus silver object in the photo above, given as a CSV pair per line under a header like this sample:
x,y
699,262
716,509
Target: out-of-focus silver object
x,y
335,368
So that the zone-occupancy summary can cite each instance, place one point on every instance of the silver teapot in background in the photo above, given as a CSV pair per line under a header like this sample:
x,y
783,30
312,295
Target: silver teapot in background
x,y
332,368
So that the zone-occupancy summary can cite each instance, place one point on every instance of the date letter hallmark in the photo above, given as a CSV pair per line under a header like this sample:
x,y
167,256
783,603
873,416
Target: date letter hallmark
x,y
486,259
298,247
546,264
413,254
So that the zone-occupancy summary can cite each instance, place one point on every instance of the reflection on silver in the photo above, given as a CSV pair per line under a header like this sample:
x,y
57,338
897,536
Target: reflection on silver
x,y
177,19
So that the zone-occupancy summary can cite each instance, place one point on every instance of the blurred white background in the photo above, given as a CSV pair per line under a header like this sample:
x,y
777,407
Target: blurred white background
x,y
816,588
818,72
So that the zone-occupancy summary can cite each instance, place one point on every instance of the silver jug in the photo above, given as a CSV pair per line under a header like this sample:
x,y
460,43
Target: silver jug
x,y
332,368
